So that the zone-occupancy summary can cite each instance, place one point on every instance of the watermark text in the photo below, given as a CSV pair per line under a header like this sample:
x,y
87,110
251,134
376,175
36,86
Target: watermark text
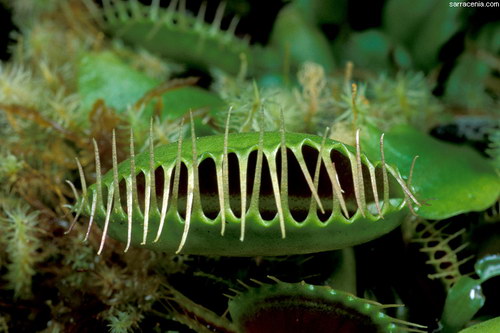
x,y
475,4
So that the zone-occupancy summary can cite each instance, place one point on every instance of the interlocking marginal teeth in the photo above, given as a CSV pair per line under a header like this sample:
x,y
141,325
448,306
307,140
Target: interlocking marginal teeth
x,y
73,189
181,19
98,174
219,14
310,183
177,172
106,221
220,189
92,215
284,165
409,195
166,185
77,198
117,208
121,11
164,204
108,11
135,9
410,176
84,195
95,12
192,178
232,28
128,184
106,202
200,17
277,197
373,180
243,185
155,7
132,197
223,179
332,174
406,191
357,172
312,206
150,187
386,202
254,201
172,9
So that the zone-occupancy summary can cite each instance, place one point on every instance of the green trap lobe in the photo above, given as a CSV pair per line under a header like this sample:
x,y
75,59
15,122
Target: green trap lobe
x,y
185,215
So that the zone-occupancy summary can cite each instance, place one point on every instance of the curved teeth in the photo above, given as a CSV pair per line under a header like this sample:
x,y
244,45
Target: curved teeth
x,y
386,202
373,179
312,207
219,14
277,196
279,185
98,173
243,185
92,214
106,222
118,205
223,178
332,174
150,186
254,201
192,184
84,195
164,205
359,188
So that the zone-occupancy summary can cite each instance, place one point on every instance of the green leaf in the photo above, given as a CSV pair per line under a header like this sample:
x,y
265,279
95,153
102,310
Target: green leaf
x,y
466,84
453,179
489,38
440,24
422,26
402,19
369,49
488,267
297,38
464,299
105,76
489,326
323,12
180,101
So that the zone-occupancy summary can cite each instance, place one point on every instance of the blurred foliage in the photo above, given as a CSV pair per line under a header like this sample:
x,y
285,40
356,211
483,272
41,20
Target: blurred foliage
x,y
66,77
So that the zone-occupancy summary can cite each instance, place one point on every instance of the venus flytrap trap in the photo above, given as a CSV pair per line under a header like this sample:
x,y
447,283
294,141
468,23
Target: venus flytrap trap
x,y
207,45
242,194
301,307
434,241
197,42
246,194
